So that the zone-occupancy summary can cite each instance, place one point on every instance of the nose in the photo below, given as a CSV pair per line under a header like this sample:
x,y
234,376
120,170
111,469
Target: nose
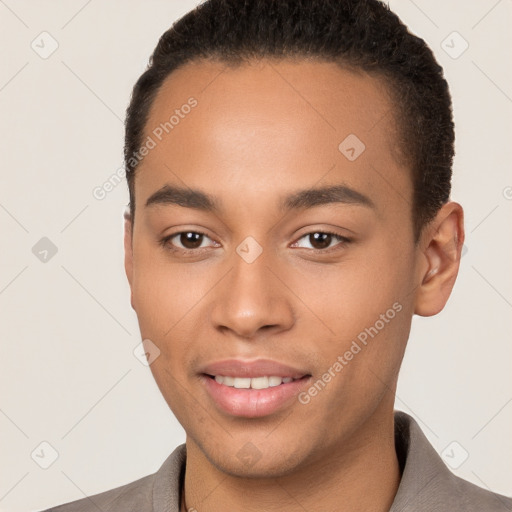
x,y
252,299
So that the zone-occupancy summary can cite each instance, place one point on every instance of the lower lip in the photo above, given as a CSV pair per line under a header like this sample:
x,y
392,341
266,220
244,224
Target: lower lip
x,y
253,403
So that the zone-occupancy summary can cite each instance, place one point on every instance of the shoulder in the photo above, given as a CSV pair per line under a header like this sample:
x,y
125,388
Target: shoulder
x,y
143,495
135,496
477,499
428,485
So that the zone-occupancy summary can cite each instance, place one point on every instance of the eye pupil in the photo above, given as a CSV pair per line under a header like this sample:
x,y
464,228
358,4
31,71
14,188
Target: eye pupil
x,y
322,239
191,240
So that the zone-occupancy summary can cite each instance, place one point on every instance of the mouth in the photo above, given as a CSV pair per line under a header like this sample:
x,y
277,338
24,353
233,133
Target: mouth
x,y
252,389
253,397
263,382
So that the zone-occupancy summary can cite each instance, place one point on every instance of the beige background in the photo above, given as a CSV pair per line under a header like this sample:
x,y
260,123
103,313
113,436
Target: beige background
x,y
68,374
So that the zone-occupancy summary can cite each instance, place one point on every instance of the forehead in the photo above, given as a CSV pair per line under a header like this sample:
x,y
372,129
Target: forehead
x,y
268,125
325,95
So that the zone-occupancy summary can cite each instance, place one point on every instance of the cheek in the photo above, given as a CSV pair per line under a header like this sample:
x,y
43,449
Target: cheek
x,y
164,292
168,299
351,295
365,308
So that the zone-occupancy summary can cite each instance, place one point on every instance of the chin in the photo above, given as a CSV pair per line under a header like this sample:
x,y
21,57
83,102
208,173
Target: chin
x,y
265,468
248,461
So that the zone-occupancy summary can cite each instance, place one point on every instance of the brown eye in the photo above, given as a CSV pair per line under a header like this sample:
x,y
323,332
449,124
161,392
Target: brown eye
x,y
188,242
320,240
191,239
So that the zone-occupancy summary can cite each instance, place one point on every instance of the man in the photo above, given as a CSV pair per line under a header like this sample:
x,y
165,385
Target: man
x,y
289,167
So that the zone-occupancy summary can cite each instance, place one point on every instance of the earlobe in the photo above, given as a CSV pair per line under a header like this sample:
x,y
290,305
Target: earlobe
x,y
441,247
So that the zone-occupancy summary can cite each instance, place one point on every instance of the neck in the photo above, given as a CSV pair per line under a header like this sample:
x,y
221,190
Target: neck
x,y
364,477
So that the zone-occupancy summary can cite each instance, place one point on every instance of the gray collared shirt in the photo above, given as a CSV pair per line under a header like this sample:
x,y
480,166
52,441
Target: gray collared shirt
x,y
426,484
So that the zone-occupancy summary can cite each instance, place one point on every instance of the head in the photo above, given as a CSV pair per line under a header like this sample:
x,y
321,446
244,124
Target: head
x,y
289,167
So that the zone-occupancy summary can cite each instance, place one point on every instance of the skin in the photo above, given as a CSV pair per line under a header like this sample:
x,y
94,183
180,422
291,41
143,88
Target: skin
x,y
260,132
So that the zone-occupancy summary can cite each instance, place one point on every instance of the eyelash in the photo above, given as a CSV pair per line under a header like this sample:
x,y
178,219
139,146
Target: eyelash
x,y
165,242
342,241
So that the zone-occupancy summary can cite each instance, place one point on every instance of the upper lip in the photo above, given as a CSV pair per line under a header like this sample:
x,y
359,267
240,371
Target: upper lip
x,y
252,368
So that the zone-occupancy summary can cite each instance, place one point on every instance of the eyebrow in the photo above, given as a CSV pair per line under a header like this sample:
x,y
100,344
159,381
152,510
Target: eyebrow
x,y
186,197
303,199
310,198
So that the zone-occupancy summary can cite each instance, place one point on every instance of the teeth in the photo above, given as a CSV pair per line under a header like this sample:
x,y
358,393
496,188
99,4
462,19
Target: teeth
x,y
254,383
242,383
274,381
229,381
259,383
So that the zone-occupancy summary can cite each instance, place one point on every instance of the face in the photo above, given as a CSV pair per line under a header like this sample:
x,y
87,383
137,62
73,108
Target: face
x,y
272,260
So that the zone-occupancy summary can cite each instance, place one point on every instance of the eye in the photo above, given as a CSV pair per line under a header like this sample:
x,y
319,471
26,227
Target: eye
x,y
186,241
191,241
321,240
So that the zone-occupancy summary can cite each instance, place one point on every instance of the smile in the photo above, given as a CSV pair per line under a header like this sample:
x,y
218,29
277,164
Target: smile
x,y
252,383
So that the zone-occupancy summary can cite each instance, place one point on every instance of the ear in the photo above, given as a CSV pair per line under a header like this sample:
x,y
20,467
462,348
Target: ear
x,y
441,247
128,251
